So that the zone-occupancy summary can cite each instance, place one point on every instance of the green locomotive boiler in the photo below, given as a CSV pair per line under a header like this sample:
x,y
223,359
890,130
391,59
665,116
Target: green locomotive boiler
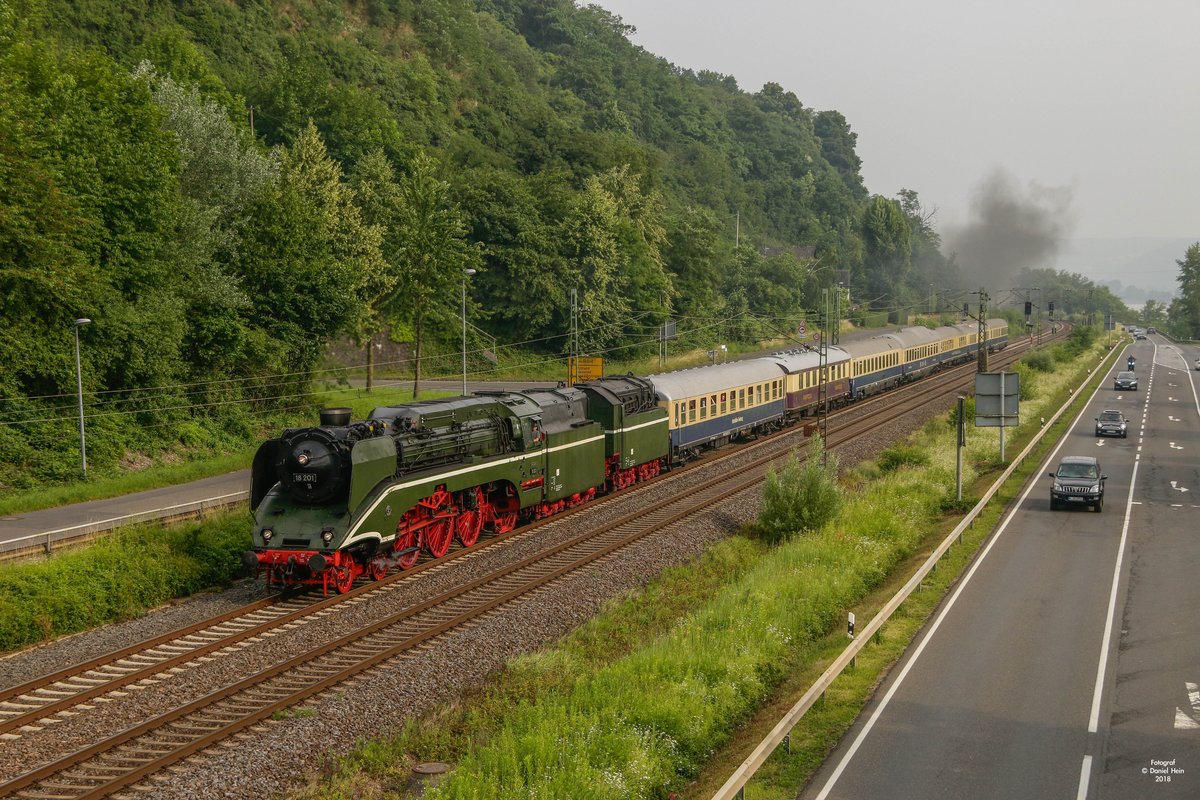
x,y
344,499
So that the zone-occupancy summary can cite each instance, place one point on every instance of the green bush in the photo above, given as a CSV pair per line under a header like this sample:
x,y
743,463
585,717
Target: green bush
x,y
800,497
1028,378
1040,360
968,413
902,454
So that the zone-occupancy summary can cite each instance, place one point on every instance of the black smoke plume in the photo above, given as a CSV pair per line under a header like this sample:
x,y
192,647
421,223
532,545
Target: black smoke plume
x,y
1009,230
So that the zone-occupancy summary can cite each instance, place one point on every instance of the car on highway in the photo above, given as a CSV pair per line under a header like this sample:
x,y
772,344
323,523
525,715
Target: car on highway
x,y
1139,335
1125,380
1198,363
1077,481
1111,423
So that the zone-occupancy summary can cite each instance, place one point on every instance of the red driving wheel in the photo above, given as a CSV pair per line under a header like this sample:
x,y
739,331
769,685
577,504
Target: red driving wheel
x,y
439,534
468,525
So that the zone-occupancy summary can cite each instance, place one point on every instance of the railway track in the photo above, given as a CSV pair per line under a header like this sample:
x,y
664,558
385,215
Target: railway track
x,y
143,749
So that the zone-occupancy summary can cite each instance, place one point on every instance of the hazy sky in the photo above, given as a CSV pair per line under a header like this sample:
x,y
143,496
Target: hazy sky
x,y
1087,109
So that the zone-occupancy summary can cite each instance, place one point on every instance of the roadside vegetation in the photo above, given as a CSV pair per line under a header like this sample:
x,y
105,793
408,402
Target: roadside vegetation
x,y
671,686
117,577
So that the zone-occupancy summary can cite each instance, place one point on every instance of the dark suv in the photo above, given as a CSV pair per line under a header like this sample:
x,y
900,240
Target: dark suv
x,y
1111,423
1125,380
1078,481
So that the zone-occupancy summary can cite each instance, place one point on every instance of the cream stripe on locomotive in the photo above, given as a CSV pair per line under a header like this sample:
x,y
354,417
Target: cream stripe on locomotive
x,y
356,535
636,427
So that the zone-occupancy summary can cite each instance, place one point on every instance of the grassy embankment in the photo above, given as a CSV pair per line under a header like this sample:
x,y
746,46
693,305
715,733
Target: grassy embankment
x,y
672,685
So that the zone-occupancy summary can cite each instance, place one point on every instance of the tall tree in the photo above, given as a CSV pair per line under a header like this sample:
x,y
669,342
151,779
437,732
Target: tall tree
x,y
221,175
888,240
1185,311
432,250
307,259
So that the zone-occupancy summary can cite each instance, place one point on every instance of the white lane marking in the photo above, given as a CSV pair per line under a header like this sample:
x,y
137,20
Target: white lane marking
x,y
1175,446
1085,775
1183,720
1173,419
1177,487
1094,721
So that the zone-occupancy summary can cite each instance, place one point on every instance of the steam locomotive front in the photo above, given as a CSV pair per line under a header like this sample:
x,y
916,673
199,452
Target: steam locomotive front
x,y
299,491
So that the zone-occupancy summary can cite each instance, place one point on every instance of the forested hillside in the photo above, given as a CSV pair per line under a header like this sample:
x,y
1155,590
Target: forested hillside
x,y
224,188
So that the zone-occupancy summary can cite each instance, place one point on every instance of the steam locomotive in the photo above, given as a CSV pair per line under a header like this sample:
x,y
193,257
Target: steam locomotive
x,y
343,499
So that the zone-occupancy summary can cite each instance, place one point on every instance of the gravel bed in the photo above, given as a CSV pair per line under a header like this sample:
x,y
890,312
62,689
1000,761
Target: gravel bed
x,y
281,754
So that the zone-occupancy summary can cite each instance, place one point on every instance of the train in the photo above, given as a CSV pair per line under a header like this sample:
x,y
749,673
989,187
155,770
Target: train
x,y
344,499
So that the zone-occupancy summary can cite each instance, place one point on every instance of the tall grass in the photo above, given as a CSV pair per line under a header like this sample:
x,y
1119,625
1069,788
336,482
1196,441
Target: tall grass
x,y
116,578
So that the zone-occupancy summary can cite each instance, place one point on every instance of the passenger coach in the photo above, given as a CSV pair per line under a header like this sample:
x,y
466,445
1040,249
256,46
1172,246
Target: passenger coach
x,y
709,406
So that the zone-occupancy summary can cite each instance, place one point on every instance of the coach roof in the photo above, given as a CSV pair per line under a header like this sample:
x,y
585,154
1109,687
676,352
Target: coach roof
x,y
721,377
794,361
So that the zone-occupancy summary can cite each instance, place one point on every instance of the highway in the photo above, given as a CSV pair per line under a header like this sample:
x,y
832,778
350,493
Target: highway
x,y
1065,664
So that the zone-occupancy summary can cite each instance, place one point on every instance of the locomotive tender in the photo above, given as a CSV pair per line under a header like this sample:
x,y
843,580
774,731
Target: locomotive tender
x,y
344,499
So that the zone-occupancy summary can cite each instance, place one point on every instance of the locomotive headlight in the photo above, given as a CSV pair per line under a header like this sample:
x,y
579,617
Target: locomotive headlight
x,y
267,533
327,536
302,459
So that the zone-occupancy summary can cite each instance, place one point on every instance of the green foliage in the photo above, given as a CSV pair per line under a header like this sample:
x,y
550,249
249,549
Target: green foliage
x,y
888,238
117,577
1185,309
1028,380
800,497
902,454
1039,360
225,188
968,407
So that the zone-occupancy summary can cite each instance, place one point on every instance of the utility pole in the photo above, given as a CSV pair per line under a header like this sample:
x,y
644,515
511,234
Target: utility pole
x,y
837,315
573,340
823,396
983,353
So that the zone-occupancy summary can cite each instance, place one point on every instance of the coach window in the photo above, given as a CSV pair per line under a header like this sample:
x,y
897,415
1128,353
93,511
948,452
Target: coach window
x,y
724,402
703,407
741,398
712,405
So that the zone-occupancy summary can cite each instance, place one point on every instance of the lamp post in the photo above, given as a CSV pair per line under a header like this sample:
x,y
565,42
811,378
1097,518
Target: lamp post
x,y
79,323
466,274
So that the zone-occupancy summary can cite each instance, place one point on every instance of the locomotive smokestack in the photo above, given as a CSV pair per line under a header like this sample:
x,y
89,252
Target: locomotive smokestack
x,y
335,417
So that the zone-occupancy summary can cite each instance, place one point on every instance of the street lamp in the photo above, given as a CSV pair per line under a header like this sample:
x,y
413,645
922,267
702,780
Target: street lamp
x,y
79,323
466,274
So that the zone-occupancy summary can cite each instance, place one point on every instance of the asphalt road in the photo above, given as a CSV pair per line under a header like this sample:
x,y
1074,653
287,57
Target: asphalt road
x,y
1065,663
